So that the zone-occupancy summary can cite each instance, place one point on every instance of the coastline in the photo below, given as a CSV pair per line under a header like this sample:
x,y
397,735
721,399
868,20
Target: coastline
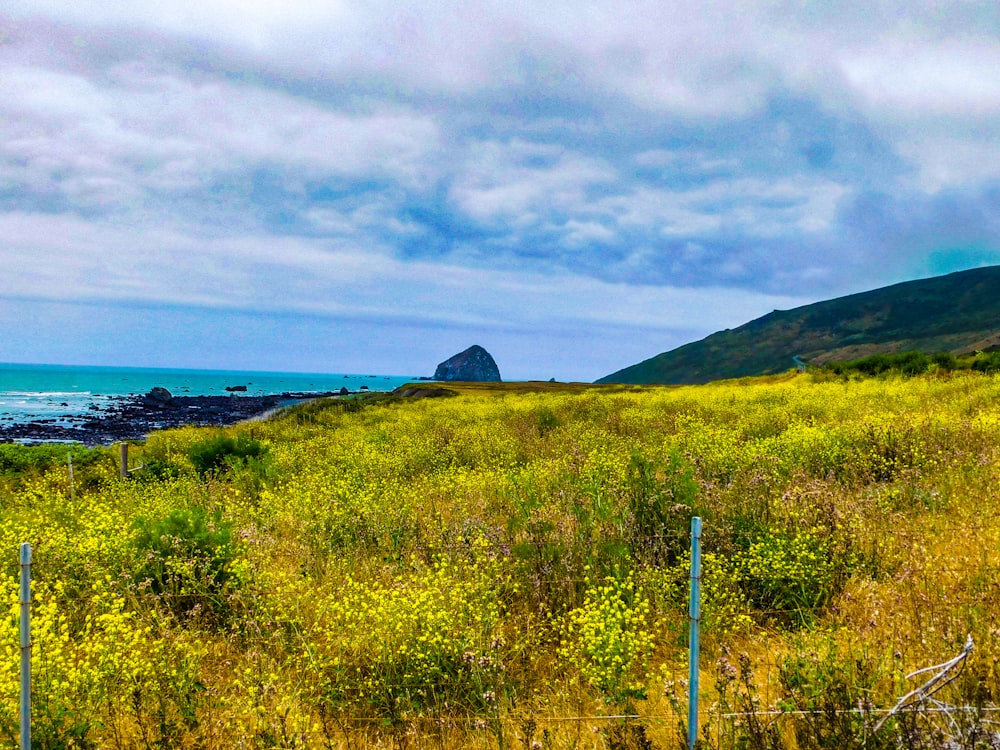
x,y
134,417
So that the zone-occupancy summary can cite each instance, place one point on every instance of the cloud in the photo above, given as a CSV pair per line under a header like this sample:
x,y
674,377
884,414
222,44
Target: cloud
x,y
518,182
947,78
290,275
141,133
493,166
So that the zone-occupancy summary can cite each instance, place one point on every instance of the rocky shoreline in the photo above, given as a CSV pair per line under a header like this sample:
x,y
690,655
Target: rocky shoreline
x,y
133,417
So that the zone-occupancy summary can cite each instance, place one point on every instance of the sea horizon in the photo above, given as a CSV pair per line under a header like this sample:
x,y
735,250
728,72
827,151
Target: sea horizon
x,y
60,392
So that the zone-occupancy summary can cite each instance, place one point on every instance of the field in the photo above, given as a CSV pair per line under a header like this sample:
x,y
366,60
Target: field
x,y
508,568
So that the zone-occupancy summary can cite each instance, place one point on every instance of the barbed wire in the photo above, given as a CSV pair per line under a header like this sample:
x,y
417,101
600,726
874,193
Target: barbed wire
x,y
853,711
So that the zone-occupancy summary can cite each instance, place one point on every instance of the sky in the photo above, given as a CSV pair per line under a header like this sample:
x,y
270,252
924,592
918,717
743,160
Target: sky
x,y
371,187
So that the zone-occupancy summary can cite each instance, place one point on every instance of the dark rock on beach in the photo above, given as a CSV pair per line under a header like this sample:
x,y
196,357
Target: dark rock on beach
x,y
158,397
133,417
474,365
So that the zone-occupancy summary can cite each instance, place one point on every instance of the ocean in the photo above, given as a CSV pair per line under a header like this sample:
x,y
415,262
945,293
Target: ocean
x,y
31,393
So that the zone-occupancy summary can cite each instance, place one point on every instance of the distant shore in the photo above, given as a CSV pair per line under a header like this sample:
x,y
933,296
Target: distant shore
x,y
133,417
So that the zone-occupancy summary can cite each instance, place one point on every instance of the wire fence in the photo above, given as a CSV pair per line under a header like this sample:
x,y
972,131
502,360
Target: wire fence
x,y
922,711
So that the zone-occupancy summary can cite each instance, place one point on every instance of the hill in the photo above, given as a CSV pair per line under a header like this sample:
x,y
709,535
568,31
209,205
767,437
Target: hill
x,y
958,313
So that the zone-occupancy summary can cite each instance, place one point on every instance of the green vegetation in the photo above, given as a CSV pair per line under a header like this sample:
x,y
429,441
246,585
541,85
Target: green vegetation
x,y
184,559
223,451
956,313
508,567
915,363
35,459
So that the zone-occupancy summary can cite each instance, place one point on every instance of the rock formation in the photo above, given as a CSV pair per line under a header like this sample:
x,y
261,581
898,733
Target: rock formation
x,y
158,397
133,417
473,365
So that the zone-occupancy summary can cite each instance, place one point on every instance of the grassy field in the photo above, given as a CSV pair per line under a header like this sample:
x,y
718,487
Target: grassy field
x,y
507,568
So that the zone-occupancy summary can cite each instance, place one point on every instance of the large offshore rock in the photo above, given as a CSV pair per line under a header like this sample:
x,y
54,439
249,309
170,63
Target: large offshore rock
x,y
473,365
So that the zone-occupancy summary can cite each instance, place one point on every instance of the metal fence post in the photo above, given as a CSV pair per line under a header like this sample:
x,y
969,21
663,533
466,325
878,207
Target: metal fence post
x,y
694,615
25,646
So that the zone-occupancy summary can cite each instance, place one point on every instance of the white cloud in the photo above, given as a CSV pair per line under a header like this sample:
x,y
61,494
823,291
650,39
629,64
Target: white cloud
x,y
708,58
587,233
689,161
254,23
754,207
956,76
271,274
718,59
948,159
108,141
521,181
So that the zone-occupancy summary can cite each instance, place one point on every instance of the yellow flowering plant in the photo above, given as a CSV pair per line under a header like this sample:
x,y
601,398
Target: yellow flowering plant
x,y
609,639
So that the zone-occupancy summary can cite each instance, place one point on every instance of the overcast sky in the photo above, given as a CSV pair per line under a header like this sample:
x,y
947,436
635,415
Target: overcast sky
x,y
576,186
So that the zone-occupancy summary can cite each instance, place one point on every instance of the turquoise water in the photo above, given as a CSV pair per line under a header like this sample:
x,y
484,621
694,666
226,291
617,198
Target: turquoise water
x,y
33,392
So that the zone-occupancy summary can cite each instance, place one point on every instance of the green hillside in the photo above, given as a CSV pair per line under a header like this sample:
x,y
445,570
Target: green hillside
x,y
959,312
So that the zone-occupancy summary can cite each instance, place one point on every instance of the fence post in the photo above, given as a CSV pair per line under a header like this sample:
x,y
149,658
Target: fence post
x,y
694,616
72,485
124,460
25,716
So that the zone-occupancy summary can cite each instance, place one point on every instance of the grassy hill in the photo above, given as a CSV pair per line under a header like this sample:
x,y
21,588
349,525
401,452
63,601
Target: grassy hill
x,y
959,313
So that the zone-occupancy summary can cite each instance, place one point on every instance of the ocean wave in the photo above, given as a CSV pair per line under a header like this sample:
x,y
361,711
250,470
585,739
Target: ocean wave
x,y
45,394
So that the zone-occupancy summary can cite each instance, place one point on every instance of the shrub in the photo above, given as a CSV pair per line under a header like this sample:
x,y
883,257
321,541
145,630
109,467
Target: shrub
x,y
222,451
547,421
816,684
989,362
906,363
661,497
788,576
945,361
15,459
157,470
185,559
